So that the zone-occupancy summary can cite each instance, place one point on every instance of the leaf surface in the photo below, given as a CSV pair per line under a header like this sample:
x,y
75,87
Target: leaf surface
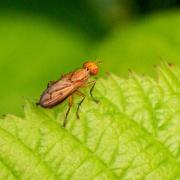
x,y
133,133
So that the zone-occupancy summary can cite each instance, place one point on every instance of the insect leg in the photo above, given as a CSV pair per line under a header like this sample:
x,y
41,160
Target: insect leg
x,y
93,83
80,103
70,103
91,90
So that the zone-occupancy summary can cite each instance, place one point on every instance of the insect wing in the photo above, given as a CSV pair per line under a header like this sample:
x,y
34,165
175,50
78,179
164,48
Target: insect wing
x,y
56,93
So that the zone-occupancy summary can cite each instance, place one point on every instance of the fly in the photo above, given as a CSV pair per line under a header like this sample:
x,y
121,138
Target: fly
x,y
68,85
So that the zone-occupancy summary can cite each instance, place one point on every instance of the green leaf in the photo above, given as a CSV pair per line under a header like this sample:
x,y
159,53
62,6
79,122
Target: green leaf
x,y
133,133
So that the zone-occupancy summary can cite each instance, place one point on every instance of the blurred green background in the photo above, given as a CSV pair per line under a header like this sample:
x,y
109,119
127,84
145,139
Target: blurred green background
x,y
42,39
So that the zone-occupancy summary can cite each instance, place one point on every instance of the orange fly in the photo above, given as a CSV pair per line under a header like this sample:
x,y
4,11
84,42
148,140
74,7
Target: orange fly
x,y
67,86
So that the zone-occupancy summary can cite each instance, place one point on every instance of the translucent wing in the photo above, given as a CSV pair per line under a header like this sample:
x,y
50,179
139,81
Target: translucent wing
x,y
56,93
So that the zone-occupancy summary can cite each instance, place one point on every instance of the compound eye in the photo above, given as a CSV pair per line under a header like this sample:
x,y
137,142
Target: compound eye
x,y
94,71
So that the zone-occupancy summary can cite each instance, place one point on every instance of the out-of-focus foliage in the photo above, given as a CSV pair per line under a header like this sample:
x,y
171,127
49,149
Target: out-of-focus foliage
x,y
147,6
143,44
40,40
94,18
33,51
78,15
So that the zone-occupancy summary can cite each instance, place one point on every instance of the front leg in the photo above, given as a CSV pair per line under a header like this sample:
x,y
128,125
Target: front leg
x,y
93,83
91,93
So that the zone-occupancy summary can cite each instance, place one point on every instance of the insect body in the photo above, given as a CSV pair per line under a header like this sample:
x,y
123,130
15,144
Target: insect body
x,y
67,85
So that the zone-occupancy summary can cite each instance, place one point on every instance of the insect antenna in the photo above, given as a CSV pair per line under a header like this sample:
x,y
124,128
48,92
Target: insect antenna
x,y
98,62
